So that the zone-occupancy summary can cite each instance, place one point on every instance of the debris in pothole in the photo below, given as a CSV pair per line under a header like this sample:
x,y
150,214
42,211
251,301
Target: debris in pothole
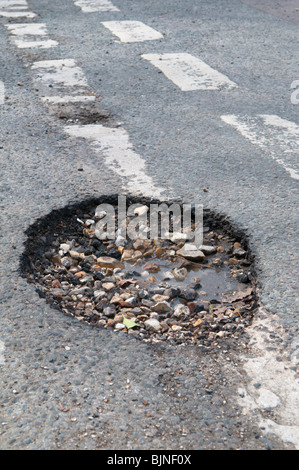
x,y
156,290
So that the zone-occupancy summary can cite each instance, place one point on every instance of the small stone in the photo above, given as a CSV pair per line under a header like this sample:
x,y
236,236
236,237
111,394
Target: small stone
x,y
172,292
178,237
86,279
100,214
108,285
76,255
141,210
176,327
119,326
160,298
207,250
108,262
56,283
154,315
131,255
64,247
141,245
109,311
115,299
152,268
192,255
161,307
153,324
58,293
164,326
99,294
120,241
67,262
181,311
239,252
147,303
188,294
168,275
180,273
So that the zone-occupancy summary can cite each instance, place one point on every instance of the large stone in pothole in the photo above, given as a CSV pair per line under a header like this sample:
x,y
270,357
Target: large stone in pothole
x,y
191,252
108,262
152,324
161,307
180,273
207,249
188,294
181,311
131,255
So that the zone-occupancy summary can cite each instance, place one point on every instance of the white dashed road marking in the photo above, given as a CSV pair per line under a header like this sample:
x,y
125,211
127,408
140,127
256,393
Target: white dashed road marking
x,y
29,35
188,72
92,6
65,79
68,99
15,9
274,135
132,31
2,92
120,157
62,71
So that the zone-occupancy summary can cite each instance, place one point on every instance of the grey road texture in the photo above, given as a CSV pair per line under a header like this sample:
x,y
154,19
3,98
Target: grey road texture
x,y
207,110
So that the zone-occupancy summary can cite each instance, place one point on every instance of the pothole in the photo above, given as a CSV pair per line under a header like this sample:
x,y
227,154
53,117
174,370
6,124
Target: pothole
x,y
81,114
157,289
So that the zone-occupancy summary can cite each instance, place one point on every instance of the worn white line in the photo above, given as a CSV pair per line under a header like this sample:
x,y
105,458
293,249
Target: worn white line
x,y
46,44
120,157
15,9
27,29
2,93
188,72
68,99
132,31
64,72
30,35
92,6
17,14
275,136
13,4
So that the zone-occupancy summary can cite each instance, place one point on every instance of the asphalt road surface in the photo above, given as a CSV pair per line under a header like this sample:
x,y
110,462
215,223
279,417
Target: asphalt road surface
x,y
204,98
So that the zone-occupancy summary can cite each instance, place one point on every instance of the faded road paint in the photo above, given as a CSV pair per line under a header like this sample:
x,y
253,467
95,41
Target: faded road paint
x,y
188,72
276,136
132,31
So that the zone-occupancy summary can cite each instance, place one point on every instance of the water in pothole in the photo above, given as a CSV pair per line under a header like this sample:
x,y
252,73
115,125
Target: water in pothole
x,y
210,282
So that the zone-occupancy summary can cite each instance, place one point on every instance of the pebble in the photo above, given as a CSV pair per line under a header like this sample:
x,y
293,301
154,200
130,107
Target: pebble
x,y
153,324
180,274
108,285
208,250
141,210
193,255
176,327
108,262
119,326
161,307
181,311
